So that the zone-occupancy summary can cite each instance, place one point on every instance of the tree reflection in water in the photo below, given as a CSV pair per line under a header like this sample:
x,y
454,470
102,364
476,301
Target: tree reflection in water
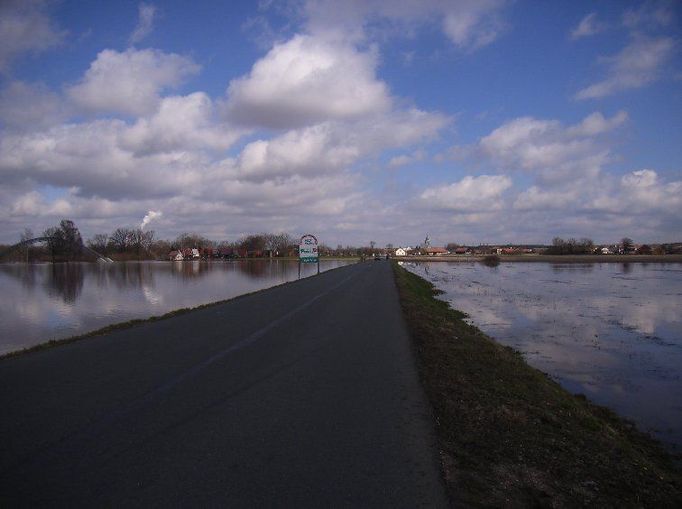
x,y
612,331
66,280
65,299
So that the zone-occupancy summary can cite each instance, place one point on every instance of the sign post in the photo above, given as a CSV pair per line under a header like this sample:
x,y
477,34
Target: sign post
x,y
307,252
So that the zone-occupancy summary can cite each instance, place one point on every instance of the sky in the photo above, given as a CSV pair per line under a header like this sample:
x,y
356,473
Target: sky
x,y
472,121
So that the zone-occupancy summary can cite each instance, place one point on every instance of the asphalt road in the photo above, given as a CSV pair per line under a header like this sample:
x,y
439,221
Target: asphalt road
x,y
302,395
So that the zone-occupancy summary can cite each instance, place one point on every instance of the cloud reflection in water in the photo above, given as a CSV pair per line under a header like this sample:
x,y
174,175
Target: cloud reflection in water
x,y
611,331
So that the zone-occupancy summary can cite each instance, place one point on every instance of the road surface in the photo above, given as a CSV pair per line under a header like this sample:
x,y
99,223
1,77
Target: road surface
x,y
302,395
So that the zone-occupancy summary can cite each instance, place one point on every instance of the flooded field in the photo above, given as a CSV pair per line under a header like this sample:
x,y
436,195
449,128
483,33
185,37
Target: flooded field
x,y
46,301
610,331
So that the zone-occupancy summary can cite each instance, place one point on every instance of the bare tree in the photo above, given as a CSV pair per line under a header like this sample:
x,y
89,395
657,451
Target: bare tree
x,y
626,244
27,235
160,248
139,240
121,239
193,240
148,239
253,242
278,242
98,242
571,246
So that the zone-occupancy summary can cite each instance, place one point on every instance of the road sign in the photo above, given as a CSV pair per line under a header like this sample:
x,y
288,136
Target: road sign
x,y
307,249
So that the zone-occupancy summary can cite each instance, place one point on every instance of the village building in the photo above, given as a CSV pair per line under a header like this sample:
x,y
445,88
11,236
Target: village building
x,y
435,251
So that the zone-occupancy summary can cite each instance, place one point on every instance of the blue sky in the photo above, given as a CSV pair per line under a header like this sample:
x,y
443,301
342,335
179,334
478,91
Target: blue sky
x,y
480,121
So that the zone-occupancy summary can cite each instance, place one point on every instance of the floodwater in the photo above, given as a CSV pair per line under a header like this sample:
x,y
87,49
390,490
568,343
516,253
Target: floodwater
x,y
611,331
45,301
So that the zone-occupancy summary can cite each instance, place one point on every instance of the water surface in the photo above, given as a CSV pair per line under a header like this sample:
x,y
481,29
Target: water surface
x,y
53,301
610,331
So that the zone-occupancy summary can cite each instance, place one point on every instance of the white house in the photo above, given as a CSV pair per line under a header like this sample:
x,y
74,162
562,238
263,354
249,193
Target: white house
x,y
401,251
195,253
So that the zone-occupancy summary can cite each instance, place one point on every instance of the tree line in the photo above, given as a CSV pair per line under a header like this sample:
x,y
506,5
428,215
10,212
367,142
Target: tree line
x,y
570,247
65,243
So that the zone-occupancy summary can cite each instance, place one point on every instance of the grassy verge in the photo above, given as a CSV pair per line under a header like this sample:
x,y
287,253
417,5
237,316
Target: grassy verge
x,y
511,437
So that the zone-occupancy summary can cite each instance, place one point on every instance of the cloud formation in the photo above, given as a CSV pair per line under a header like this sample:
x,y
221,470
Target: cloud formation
x,y
310,135
468,24
145,22
331,146
637,65
25,26
129,82
554,153
588,26
307,80
25,106
471,194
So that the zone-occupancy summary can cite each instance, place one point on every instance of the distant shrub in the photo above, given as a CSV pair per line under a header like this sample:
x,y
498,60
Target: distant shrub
x,y
491,260
570,247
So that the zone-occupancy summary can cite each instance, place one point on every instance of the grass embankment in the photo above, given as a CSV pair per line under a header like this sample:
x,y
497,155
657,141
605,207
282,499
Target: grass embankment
x,y
510,436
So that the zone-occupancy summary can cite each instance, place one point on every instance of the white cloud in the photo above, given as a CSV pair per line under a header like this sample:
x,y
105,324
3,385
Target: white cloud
x,y
596,123
650,15
307,151
469,24
308,80
572,193
129,82
473,24
145,22
181,123
332,146
554,153
640,193
637,65
171,155
537,198
25,106
25,26
405,159
470,194
642,190
588,26
89,156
